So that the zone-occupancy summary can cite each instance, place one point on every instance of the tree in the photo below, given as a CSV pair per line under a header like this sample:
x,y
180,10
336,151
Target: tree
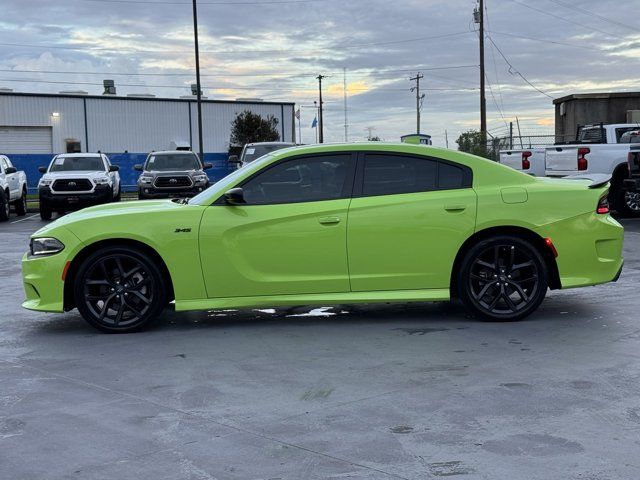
x,y
374,139
249,127
471,142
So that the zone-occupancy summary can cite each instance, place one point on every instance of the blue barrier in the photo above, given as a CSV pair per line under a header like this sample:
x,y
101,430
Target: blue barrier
x,y
128,176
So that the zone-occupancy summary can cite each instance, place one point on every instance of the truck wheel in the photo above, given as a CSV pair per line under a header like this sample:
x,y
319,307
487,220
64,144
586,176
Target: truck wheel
x,y
45,211
140,194
21,204
119,289
625,202
5,206
119,195
503,278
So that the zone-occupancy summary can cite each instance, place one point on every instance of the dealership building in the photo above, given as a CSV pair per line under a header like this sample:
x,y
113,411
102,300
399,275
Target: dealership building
x,y
35,126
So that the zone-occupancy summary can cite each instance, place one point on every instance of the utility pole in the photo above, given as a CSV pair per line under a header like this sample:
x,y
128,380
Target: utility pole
x,y
446,138
478,17
370,130
320,122
199,92
418,98
344,89
511,135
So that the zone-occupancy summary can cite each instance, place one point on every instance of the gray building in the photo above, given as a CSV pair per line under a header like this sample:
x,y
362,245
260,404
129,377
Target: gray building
x,y
593,108
35,126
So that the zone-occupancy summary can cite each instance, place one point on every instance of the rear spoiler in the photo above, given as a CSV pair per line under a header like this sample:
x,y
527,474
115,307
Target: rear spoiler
x,y
597,179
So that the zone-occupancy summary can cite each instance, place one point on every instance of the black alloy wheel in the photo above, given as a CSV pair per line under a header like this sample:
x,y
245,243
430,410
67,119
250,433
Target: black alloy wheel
x,y
503,279
119,290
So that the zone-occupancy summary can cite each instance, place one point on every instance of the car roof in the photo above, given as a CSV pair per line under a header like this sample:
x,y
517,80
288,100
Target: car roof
x,y
171,152
98,155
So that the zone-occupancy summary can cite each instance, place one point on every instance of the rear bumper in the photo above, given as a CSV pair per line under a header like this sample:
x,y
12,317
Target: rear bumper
x,y
589,249
76,201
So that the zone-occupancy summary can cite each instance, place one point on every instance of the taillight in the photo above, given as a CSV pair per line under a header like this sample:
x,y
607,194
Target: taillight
x,y
583,164
603,205
526,164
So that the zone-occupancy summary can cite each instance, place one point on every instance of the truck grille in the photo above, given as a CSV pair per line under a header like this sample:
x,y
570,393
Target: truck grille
x,y
72,185
173,182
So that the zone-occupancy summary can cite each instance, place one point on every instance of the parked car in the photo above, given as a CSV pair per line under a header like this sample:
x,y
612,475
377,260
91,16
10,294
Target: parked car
x,y
172,174
632,184
526,160
13,189
598,149
253,151
332,224
76,180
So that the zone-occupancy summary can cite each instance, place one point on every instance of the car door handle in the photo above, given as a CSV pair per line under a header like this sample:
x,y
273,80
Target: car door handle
x,y
455,208
329,220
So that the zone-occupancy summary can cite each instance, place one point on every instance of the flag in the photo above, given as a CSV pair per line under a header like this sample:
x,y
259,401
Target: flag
x,y
297,114
314,124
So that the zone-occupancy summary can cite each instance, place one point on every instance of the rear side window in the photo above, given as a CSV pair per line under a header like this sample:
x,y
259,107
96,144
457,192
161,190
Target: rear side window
x,y
395,174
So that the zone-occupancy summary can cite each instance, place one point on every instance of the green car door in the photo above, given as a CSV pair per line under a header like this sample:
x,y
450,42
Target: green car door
x,y
408,218
289,237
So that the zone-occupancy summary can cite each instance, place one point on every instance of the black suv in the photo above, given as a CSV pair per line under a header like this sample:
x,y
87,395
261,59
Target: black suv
x,y
632,184
172,174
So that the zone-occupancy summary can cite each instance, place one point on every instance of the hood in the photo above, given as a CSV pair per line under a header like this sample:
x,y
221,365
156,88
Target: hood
x,y
75,174
111,210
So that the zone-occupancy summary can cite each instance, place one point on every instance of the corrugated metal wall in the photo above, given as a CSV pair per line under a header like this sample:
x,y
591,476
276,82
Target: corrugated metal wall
x,y
133,125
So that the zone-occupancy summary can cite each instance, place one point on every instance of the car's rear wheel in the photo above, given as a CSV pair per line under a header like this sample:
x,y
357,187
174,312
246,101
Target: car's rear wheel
x,y
503,278
5,206
21,204
119,289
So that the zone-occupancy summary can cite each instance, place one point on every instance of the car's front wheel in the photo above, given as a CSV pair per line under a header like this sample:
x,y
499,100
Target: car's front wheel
x,y
503,278
119,289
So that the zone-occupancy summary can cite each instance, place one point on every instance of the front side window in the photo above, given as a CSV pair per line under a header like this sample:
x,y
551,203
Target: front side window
x,y
307,179
386,174
75,164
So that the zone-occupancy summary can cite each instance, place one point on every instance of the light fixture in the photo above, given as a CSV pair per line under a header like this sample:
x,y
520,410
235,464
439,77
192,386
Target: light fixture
x,y
55,114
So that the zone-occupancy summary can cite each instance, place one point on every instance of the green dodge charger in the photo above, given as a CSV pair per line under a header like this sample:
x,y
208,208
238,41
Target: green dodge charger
x,y
332,224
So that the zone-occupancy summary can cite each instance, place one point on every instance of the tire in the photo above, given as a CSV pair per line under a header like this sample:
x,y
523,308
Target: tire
x,y
21,204
119,195
503,278
5,206
119,290
626,203
140,195
45,210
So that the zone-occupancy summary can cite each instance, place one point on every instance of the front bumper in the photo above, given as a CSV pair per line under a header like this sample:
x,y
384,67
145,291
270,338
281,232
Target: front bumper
x,y
75,201
149,191
42,276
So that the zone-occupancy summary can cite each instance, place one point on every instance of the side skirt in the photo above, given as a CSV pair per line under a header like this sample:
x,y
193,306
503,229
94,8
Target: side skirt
x,y
399,296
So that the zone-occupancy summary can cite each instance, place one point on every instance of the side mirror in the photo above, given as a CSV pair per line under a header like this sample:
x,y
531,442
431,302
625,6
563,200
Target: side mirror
x,y
42,169
235,196
138,167
234,159
207,166
10,170
114,168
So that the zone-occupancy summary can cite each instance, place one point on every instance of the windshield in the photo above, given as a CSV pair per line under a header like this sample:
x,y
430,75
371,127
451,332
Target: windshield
x,y
173,161
225,183
254,152
74,164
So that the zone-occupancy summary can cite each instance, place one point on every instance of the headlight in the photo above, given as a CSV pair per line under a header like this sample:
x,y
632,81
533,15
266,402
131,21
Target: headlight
x,y
45,182
102,180
45,246
200,178
144,179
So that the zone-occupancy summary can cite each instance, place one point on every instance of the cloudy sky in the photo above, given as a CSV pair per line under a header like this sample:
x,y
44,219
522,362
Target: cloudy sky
x,y
274,49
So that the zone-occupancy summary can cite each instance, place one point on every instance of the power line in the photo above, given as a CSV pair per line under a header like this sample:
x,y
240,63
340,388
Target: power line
x,y
159,2
513,69
543,40
236,52
589,12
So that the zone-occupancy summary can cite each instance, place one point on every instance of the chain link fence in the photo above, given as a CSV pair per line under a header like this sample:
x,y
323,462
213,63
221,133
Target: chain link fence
x,y
496,144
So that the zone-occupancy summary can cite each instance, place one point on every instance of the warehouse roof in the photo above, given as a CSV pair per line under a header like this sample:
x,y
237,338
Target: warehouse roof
x,y
595,96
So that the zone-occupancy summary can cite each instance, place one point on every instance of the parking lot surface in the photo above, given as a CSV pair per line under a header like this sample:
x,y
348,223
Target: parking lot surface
x,y
370,392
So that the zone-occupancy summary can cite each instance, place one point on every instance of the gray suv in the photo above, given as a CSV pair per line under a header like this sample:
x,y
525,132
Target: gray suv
x,y
172,174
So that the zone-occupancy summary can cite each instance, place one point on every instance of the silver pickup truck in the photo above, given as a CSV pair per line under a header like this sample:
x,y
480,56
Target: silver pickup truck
x,y
13,189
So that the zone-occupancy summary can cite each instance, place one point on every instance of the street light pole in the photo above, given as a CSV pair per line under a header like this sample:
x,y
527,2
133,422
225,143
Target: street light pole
x,y
320,122
198,87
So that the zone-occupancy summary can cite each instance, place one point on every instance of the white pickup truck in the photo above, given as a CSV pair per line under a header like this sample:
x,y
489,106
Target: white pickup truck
x,y
598,149
526,160
13,189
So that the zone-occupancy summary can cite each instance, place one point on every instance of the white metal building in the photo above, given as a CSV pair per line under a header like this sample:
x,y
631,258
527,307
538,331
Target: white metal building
x,y
32,123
